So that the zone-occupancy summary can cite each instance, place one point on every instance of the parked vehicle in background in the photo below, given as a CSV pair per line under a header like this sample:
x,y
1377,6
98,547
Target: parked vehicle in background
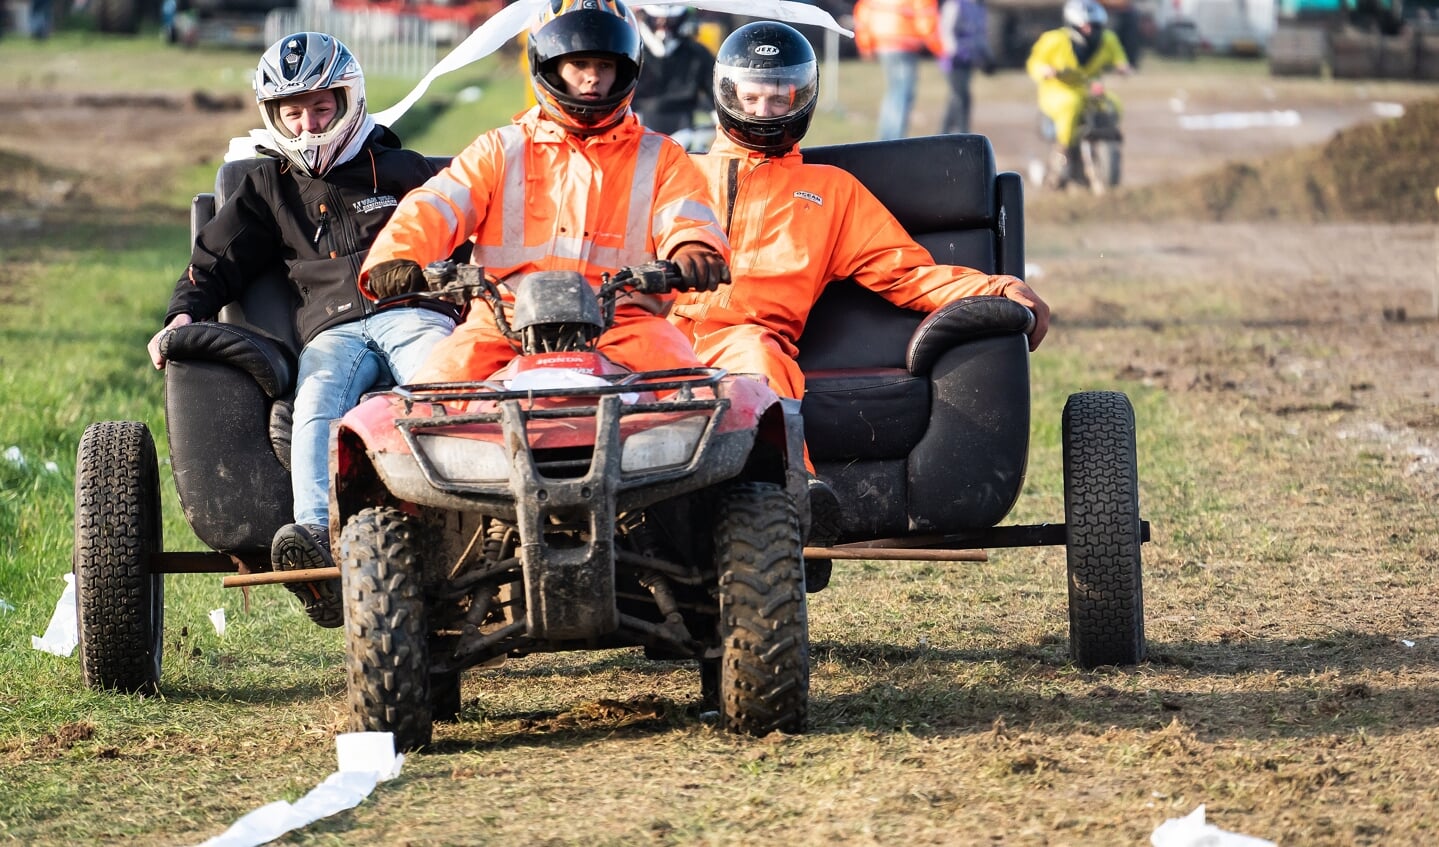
x,y
1356,39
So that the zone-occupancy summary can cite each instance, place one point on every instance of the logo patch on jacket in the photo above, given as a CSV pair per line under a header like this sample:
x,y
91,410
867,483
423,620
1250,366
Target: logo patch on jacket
x,y
375,204
810,196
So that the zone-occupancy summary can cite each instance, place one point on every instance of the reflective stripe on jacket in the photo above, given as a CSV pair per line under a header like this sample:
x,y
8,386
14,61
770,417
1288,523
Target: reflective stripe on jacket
x,y
533,197
795,227
897,25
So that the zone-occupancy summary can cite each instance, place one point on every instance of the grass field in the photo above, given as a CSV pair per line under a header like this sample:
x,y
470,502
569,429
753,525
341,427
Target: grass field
x,y
1285,575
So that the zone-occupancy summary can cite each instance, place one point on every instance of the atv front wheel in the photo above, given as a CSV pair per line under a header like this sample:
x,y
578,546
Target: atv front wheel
x,y
764,626
387,657
1101,511
120,604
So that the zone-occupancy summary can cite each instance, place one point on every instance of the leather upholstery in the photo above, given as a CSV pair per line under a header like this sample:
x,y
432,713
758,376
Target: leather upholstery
x,y
921,422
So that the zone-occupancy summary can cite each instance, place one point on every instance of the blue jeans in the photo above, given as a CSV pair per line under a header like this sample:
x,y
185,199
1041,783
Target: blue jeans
x,y
336,367
901,75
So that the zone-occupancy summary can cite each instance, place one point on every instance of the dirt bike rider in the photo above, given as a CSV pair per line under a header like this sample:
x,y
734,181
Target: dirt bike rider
x,y
677,72
1062,63
330,182
795,227
574,183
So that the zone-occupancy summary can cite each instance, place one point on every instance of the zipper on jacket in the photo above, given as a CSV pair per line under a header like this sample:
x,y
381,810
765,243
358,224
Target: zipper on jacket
x,y
324,225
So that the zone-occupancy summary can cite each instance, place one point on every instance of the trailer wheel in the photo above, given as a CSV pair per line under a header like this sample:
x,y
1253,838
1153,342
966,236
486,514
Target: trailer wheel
x,y
119,603
1101,511
386,648
764,627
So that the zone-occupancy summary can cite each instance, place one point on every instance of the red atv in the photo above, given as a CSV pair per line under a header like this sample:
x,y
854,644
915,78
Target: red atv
x,y
567,503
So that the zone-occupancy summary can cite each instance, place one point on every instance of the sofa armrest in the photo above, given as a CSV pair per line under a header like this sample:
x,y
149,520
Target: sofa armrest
x,y
272,366
966,319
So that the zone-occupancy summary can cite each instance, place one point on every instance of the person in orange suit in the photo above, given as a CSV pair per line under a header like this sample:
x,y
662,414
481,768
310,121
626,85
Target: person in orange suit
x,y
795,227
574,183
898,32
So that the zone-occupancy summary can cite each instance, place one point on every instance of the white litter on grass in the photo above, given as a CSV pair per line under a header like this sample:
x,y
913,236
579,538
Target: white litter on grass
x,y
1241,120
470,94
63,634
217,619
14,456
51,467
1406,642
5,605
1388,110
365,760
1192,831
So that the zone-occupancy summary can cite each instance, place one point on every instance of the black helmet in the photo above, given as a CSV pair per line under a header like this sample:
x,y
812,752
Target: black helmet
x,y
759,59
572,27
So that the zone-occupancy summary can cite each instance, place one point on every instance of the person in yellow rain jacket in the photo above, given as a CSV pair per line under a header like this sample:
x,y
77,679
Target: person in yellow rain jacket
x,y
574,183
795,227
898,32
1063,61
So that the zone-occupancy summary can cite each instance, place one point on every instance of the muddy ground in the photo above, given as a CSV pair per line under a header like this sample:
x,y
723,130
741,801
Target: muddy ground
x,y
1280,283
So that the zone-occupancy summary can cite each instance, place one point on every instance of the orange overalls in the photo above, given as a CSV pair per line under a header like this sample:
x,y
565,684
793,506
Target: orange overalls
x,y
793,228
534,197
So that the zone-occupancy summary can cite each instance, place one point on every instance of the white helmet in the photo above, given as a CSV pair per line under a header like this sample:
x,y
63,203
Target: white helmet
x,y
306,62
1078,13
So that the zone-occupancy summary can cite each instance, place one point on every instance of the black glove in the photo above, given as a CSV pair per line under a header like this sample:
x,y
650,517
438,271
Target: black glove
x,y
700,266
395,277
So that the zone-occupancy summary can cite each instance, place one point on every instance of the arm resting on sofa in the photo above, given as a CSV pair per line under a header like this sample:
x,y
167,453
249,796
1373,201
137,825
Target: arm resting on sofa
x,y
966,319
272,367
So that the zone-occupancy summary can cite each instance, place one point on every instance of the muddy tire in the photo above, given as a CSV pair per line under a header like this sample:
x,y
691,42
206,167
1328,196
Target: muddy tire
x,y
1101,511
763,628
120,605
386,648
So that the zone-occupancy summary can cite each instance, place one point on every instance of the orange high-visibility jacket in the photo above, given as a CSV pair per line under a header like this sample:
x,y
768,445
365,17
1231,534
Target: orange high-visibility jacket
x,y
897,25
533,197
793,228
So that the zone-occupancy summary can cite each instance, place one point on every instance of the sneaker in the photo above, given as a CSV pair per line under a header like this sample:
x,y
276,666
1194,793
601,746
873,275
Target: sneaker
x,y
299,547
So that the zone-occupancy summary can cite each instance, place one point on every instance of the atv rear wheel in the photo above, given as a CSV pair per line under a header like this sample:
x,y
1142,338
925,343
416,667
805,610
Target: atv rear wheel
x,y
764,626
1101,511
386,637
120,604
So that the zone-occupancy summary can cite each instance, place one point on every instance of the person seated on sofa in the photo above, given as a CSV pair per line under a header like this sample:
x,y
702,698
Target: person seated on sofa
x,y
329,185
795,227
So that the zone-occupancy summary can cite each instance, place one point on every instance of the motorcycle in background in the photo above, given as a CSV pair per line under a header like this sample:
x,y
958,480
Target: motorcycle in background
x,y
1095,155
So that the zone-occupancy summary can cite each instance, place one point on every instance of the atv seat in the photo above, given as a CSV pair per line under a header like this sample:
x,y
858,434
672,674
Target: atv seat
x,y
920,422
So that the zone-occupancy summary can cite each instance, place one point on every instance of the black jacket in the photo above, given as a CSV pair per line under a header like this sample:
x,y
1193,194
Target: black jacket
x,y
673,87
320,229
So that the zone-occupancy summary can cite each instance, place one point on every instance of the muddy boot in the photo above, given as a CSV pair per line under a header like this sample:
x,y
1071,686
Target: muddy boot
x,y
298,547
825,521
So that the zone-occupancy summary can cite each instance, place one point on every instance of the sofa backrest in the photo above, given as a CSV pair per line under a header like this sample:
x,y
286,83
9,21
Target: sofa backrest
x,y
945,191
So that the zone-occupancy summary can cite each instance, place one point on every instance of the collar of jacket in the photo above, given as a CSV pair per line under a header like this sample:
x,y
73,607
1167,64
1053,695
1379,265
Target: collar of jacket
x,y
725,146
542,130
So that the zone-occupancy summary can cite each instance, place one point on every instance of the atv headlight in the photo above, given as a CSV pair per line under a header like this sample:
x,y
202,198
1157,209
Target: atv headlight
x,y
465,459
665,446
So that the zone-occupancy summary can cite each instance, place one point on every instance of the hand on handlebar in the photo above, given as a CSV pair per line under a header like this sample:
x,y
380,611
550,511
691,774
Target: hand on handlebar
x,y
395,277
701,267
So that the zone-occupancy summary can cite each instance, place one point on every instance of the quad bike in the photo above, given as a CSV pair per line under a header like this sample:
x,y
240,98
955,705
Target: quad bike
x,y
477,521
569,504
1094,156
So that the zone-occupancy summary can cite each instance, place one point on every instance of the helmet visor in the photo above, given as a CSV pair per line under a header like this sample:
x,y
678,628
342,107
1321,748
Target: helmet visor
x,y
764,94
